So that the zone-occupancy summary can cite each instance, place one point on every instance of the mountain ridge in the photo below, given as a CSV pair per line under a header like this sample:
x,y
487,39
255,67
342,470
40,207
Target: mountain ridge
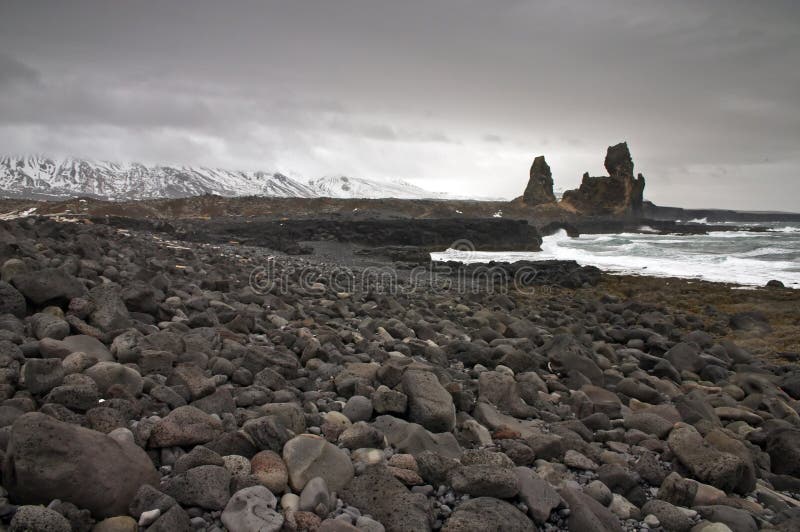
x,y
41,177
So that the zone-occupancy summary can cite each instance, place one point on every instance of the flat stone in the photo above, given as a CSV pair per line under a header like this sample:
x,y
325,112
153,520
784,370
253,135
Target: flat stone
x,y
540,498
252,509
576,460
414,439
486,513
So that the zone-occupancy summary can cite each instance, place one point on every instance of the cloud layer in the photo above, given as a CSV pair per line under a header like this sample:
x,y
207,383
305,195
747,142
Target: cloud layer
x,y
455,95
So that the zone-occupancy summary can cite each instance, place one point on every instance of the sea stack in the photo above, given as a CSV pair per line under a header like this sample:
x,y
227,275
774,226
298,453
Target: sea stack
x,y
619,193
540,184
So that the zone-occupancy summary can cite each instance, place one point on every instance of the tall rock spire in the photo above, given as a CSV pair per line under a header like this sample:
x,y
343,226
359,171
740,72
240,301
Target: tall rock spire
x,y
540,184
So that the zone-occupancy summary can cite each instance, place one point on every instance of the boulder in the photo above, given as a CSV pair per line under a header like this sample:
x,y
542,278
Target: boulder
x,y
11,300
486,514
707,464
42,374
47,459
381,495
783,447
413,439
39,519
588,515
51,285
537,494
308,456
108,374
184,426
671,517
269,469
110,312
46,325
206,486
685,357
253,509
429,404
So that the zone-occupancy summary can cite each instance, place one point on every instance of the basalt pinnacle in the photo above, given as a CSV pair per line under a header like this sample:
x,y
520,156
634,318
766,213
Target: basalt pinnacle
x,y
540,184
619,193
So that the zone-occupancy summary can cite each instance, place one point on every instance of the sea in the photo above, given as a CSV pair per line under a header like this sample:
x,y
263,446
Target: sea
x,y
741,256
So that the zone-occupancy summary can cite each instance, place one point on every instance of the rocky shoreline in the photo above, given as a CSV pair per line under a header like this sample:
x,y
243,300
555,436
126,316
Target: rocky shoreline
x,y
164,384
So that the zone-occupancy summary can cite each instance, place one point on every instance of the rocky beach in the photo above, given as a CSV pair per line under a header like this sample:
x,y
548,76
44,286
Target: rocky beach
x,y
381,266
164,384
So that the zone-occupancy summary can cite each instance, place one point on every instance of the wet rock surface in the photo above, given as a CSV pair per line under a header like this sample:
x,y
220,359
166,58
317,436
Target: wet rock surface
x,y
156,384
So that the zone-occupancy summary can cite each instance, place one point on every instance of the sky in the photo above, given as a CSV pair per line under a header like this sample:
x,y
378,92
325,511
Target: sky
x,y
452,95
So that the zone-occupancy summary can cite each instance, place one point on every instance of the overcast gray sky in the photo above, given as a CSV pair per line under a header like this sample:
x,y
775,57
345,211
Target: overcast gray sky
x,y
452,95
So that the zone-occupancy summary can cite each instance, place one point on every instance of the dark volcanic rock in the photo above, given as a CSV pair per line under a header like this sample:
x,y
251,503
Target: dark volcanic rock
x,y
429,404
48,286
381,495
486,514
620,193
47,459
540,184
11,301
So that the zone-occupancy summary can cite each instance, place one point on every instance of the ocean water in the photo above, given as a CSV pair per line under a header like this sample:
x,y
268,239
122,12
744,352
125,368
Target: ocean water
x,y
747,258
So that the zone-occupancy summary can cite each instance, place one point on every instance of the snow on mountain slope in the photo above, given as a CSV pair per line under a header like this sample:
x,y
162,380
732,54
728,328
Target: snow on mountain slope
x,y
355,187
43,178
35,177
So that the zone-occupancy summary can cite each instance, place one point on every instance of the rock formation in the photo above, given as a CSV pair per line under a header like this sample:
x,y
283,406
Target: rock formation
x,y
619,193
540,184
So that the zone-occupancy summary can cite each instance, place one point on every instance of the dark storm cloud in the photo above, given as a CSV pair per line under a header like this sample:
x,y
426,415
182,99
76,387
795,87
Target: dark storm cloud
x,y
13,72
451,94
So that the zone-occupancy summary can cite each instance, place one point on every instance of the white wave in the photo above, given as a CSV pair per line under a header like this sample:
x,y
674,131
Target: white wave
x,y
787,229
698,221
646,257
735,234
765,251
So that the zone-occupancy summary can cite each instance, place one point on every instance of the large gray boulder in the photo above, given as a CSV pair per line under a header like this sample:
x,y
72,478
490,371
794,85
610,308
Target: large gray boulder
x,y
252,508
108,374
110,312
47,459
429,404
308,456
708,464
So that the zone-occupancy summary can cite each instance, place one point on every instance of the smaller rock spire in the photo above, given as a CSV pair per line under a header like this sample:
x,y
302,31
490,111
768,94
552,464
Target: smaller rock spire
x,y
540,184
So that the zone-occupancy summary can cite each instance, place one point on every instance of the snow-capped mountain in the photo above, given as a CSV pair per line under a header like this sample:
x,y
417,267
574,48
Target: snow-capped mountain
x,y
43,178
355,187
36,177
